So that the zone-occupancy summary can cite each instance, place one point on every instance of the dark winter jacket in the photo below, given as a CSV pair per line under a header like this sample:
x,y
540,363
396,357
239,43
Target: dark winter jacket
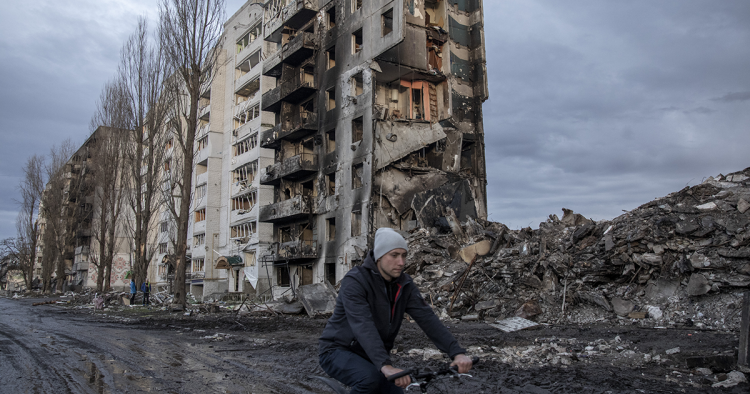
x,y
145,288
364,322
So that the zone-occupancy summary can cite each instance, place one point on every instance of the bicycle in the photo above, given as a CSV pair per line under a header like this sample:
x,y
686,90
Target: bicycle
x,y
420,378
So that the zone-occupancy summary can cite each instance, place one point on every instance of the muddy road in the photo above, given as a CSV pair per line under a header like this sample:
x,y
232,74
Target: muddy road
x,y
53,348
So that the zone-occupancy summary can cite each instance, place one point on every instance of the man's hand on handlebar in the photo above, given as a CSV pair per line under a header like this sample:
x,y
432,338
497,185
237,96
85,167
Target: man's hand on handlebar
x,y
463,362
403,381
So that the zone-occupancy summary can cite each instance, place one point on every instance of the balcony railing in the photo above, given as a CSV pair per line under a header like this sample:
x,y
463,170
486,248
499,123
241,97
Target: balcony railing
x,y
294,52
294,208
291,128
294,15
292,168
294,90
296,250
204,112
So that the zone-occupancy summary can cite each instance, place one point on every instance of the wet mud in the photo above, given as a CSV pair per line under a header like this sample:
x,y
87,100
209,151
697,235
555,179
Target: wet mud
x,y
52,348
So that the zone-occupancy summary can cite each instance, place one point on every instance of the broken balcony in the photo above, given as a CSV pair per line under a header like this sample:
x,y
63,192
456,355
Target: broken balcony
x,y
292,128
295,250
293,16
295,208
294,167
298,49
295,89
204,112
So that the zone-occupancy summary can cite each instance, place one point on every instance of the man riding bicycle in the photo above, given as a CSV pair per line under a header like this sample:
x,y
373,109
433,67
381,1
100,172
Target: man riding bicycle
x,y
356,342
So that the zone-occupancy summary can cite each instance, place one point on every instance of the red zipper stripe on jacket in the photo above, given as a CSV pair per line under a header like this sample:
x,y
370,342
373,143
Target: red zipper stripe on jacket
x,y
393,309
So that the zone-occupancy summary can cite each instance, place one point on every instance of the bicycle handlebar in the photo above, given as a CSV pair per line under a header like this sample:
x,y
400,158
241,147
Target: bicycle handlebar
x,y
474,361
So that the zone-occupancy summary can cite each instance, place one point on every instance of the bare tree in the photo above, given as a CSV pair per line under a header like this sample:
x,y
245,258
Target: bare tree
x,y
142,71
190,32
59,216
27,227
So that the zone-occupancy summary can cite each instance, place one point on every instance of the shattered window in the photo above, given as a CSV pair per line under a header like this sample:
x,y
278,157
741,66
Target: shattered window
x,y
357,129
331,17
357,42
331,181
331,57
282,277
331,229
387,22
330,273
331,98
357,171
249,37
357,84
356,5
198,265
356,223
331,141
200,215
199,240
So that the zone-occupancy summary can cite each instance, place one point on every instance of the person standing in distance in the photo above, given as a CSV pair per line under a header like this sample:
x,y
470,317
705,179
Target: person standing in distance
x,y
356,342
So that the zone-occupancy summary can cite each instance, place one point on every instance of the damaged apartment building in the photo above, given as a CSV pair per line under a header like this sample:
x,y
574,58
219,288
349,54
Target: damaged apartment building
x,y
377,109
325,120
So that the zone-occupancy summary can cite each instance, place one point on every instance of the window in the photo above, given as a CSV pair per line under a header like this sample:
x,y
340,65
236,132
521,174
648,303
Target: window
x,y
245,115
331,17
199,240
356,5
331,181
331,141
386,23
330,273
202,143
249,259
249,37
199,265
331,98
357,129
243,203
243,232
331,229
245,175
356,223
200,191
357,84
357,42
200,215
163,248
357,171
245,145
167,165
331,58
164,227
168,145
282,277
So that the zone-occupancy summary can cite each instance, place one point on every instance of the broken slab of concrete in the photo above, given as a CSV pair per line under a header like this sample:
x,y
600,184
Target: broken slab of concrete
x,y
659,290
514,324
317,298
622,307
698,285
468,253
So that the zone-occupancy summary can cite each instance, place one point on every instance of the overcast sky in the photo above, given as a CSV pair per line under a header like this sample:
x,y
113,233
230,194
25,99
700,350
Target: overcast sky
x,y
595,105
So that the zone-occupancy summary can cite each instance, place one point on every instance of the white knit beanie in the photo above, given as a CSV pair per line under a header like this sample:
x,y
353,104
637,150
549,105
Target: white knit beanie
x,y
387,239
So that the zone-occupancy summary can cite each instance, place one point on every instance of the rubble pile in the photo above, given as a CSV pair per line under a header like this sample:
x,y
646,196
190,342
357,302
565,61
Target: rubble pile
x,y
680,260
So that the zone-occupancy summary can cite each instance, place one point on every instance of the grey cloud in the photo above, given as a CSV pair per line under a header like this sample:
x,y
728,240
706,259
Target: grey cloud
x,y
732,97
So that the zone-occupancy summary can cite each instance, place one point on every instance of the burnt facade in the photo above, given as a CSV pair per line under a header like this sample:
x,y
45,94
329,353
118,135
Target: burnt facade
x,y
377,122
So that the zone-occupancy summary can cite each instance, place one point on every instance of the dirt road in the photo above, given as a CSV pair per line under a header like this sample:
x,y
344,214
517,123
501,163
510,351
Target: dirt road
x,y
51,348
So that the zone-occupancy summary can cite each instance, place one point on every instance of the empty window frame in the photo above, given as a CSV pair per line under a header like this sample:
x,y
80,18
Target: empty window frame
x,y
331,229
357,84
243,203
167,165
199,265
357,175
246,145
249,37
202,143
386,23
164,227
357,129
163,248
199,240
331,183
246,115
331,98
248,64
245,175
331,17
331,141
243,231
249,259
200,215
200,191
357,42
356,223
330,273
356,5
282,277
331,58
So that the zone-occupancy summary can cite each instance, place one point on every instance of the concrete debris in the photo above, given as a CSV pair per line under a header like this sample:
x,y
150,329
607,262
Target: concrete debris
x,y
514,324
318,298
733,378
682,260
